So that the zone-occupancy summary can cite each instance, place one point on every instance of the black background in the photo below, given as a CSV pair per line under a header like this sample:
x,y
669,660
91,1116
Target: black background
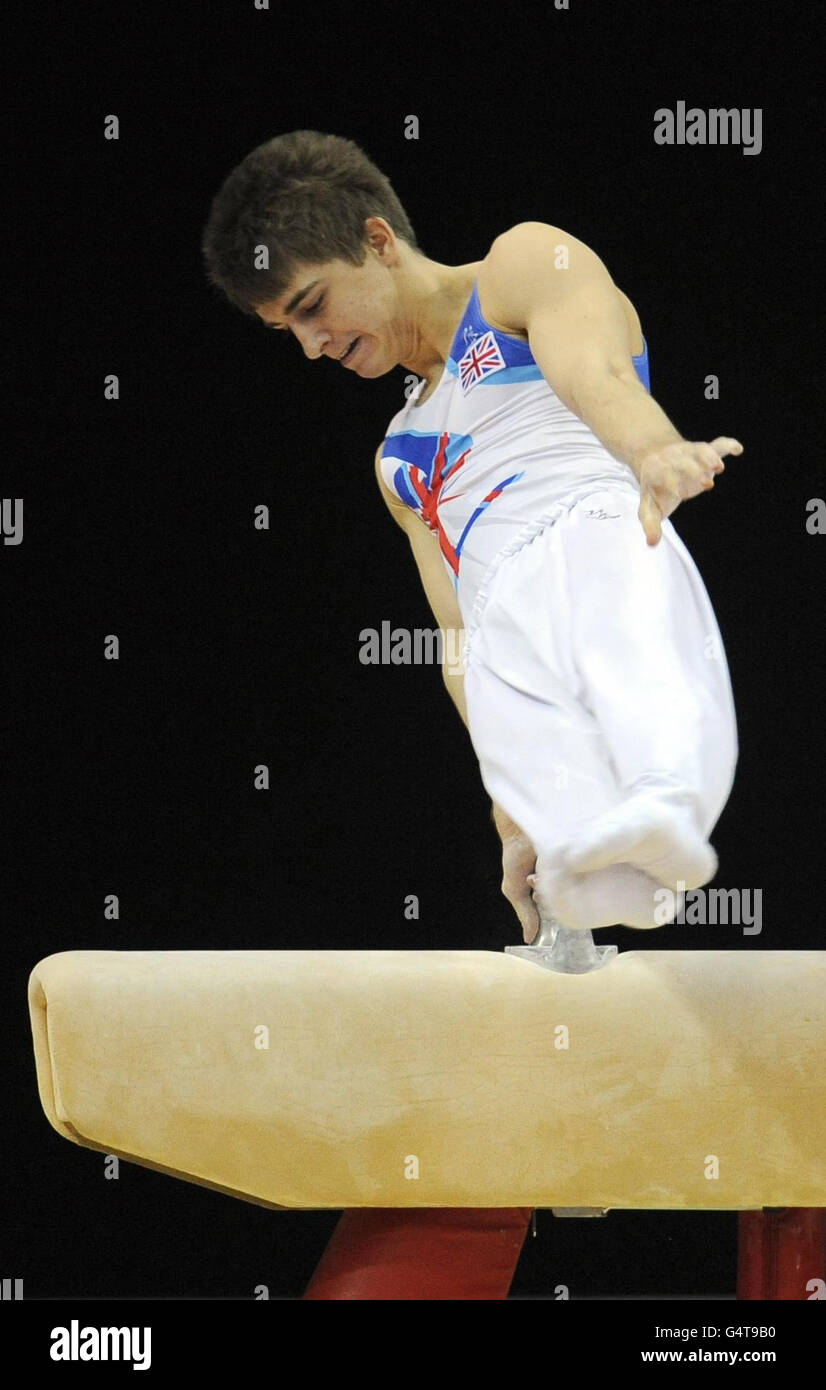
x,y
240,647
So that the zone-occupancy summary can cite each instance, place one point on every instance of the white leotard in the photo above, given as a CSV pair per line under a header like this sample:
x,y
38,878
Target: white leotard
x,y
492,450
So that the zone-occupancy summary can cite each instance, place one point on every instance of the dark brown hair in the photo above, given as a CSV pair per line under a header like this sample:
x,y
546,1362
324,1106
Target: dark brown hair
x,y
304,196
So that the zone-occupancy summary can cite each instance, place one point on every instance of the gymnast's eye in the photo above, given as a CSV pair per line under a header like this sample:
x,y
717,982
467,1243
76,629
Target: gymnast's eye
x,y
313,309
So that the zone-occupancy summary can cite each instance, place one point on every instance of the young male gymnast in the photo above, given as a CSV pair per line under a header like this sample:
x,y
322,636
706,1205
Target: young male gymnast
x,y
534,475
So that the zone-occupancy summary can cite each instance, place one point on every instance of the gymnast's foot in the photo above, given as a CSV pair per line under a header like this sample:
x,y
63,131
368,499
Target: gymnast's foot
x,y
657,837
618,896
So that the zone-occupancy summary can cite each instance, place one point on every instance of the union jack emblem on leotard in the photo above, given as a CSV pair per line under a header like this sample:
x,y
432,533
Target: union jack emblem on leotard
x,y
482,358
425,479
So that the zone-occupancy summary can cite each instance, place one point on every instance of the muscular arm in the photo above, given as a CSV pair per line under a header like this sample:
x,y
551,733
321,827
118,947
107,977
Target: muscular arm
x,y
442,600
558,290
437,587
552,285
518,855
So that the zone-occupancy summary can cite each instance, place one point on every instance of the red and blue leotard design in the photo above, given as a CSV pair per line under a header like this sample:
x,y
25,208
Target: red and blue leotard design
x,y
432,464
492,449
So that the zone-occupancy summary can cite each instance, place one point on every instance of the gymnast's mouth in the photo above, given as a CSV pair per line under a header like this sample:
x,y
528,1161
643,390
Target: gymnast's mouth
x,y
346,356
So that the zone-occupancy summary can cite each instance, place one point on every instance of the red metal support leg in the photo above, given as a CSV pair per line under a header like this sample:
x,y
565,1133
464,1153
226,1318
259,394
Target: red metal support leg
x,y
780,1251
421,1253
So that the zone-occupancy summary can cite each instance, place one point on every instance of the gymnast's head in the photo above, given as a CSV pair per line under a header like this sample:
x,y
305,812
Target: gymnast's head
x,y
307,235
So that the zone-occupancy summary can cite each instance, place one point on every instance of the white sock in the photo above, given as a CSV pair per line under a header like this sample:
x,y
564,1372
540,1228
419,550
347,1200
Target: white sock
x,y
658,838
618,896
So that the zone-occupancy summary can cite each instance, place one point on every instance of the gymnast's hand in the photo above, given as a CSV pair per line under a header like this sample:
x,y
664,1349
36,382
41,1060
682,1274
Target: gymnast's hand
x,y
674,472
519,860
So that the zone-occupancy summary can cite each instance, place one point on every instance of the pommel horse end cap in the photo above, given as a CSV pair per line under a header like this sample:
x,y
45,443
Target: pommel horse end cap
x,y
337,1079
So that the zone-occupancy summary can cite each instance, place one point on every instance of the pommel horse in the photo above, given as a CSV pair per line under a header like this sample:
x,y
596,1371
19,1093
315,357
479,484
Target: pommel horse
x,y
440,1097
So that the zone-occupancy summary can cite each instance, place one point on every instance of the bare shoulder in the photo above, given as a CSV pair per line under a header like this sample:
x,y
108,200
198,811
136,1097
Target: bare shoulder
x,y
533,239
509,270
509,275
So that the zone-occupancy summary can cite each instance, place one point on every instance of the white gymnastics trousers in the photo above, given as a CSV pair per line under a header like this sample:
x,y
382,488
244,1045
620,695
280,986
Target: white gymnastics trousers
x,y
600,704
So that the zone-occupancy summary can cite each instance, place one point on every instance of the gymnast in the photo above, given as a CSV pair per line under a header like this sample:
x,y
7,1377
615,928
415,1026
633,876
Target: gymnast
x,y
534,474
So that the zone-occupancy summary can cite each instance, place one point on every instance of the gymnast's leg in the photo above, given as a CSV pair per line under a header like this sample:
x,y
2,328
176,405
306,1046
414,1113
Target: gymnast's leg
x,y
597,729
650,656
542,757
543,762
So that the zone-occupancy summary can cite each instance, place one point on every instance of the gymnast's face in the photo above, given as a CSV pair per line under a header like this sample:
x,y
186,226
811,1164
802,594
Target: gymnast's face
x,y
354,315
